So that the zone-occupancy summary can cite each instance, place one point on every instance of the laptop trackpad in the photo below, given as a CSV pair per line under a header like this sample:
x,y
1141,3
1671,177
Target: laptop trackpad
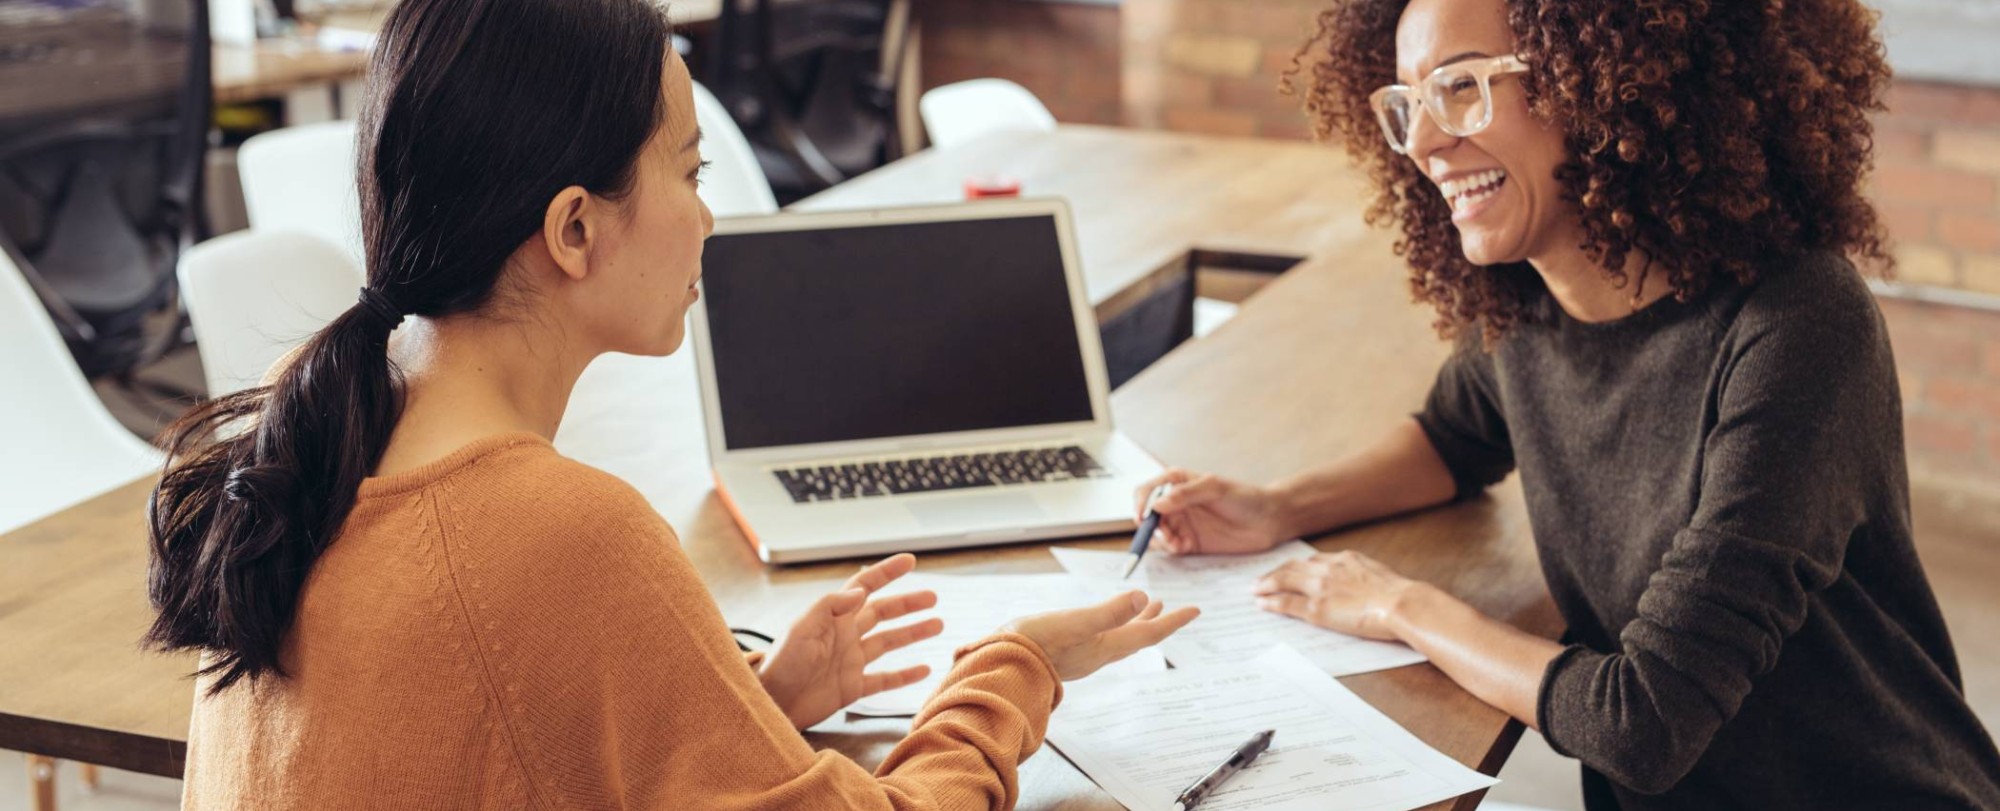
x,y
993,511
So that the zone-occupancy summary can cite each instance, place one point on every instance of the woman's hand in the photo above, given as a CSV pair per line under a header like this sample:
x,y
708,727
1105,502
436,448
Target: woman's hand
x,y
821,665
1346,591
1081,640
1210,515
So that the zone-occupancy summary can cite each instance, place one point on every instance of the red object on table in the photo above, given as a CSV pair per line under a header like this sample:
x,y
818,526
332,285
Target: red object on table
x,y
979,187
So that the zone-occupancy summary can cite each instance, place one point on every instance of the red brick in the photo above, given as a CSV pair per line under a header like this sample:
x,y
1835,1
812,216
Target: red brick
x,y
1278,58
1291,125
1983,107
1210,121
1279,23
1180,89
1907,222
1993,448
1916,100
1967,230
1901,145
1256,94
1992,356
1937,437
1940,187
1977,400
1922,347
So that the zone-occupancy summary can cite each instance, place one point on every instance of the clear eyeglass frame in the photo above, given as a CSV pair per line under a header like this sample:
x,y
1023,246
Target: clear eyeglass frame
x,y
1435,95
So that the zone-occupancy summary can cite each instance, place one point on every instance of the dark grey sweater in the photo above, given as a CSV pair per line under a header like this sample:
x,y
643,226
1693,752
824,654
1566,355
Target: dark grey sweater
x,y
1718,495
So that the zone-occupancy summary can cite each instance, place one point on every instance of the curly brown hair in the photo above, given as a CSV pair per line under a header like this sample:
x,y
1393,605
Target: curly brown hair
x,y
1712,137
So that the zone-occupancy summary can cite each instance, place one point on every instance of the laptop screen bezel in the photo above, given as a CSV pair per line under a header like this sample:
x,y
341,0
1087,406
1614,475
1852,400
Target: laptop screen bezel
x,y
1082,315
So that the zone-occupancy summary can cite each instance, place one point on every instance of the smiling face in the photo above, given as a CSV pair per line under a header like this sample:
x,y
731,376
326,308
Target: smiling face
x,y
1500,182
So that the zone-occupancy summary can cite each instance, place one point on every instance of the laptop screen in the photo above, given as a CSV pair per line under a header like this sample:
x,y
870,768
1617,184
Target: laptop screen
x,y
871,331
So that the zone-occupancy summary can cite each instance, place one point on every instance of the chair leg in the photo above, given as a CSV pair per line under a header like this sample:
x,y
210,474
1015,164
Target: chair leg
x,y
41,783
88,771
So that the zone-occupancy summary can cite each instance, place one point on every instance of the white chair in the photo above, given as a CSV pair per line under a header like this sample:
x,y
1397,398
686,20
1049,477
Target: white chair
x,y
956,113
303,179
62,446
734,184
253,295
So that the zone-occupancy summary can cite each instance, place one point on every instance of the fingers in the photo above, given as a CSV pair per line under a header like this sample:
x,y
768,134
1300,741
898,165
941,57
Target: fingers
x,y
1195,491
888,608
882,572
1121,642
1296,576
872,683
1176,535
1112,613
1173,475
844,602
1291,604
872,647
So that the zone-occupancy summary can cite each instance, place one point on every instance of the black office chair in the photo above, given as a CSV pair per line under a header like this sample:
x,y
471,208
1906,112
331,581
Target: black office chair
x,y
809,84
103,135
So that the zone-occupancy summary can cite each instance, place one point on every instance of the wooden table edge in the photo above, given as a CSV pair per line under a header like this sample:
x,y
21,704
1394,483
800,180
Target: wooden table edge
x,y
130,751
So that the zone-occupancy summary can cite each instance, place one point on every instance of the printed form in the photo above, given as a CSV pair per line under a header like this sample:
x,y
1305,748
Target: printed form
x,y
973,607
1231,627
1145,738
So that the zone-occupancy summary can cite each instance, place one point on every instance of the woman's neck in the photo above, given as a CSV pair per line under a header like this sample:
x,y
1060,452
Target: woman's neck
x,y
470,377
1585,291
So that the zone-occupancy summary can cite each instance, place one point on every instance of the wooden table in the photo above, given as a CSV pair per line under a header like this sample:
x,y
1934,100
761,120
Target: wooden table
x,y
1312,367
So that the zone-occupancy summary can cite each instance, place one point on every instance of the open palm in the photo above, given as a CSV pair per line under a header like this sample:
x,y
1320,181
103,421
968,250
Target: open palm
x,y
822,664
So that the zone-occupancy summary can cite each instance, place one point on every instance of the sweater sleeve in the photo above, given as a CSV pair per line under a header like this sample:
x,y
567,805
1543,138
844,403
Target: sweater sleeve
x,y
616,683
1463,420
1805,421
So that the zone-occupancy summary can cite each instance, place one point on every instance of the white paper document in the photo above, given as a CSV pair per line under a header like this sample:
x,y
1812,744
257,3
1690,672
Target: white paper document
x,y
1231,627
973,607
1145,738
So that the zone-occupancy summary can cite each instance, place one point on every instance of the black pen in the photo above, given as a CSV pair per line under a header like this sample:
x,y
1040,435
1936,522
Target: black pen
x,y
1237,762
1147,525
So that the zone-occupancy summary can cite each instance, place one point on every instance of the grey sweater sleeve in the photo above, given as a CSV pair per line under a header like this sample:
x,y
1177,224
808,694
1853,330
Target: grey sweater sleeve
x,y
1463,419
1800,432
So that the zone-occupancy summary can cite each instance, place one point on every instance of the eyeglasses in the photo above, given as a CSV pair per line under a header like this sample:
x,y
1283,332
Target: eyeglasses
x,y
1459,97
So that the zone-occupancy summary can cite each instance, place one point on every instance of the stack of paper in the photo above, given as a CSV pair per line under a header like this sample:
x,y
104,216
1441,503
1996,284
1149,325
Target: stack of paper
x,y
1145,738
1231,627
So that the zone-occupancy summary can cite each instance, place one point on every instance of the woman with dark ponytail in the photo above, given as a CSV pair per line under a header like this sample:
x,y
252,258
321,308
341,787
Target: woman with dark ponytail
x,y
405,598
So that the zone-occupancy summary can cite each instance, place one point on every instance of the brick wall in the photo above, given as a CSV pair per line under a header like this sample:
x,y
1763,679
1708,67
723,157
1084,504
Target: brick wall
x,y
1212,66
1937,182
1066,53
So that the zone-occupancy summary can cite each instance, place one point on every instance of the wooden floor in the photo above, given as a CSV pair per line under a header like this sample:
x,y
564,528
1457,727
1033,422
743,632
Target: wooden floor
x,y
1958,537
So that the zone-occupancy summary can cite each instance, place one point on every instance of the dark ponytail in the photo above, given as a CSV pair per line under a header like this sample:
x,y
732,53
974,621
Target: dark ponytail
x,y
478,113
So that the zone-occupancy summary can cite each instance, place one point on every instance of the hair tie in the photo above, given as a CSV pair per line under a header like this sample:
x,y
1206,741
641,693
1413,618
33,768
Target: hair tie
x,y
379,306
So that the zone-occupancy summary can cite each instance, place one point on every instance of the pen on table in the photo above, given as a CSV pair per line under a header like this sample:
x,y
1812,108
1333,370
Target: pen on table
x,y
1238,761
1147,525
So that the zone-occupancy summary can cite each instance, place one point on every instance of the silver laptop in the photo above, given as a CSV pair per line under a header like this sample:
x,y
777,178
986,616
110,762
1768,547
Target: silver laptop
x,y
886,381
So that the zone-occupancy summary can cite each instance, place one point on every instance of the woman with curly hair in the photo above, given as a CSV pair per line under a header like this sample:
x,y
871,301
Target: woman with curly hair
x,y
1638,220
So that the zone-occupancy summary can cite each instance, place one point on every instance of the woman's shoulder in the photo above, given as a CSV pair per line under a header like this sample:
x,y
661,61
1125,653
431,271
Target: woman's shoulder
x,y
1820,291
518,491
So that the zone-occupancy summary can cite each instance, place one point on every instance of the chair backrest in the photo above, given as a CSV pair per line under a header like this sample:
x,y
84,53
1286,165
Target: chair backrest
x,y
254,295
103,143
734,184
62,446
303,179
956,113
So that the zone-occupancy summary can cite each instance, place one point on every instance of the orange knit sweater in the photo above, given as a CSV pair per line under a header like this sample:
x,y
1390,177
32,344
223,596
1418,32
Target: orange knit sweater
x,y
505,628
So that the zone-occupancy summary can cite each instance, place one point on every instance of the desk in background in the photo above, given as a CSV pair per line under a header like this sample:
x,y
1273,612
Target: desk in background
x,y
1314,366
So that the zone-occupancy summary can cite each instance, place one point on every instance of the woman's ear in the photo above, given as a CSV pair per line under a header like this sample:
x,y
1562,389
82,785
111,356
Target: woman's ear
x,y
568,228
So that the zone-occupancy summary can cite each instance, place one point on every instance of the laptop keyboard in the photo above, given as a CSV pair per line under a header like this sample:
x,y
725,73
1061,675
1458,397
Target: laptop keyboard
x,y
930,474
